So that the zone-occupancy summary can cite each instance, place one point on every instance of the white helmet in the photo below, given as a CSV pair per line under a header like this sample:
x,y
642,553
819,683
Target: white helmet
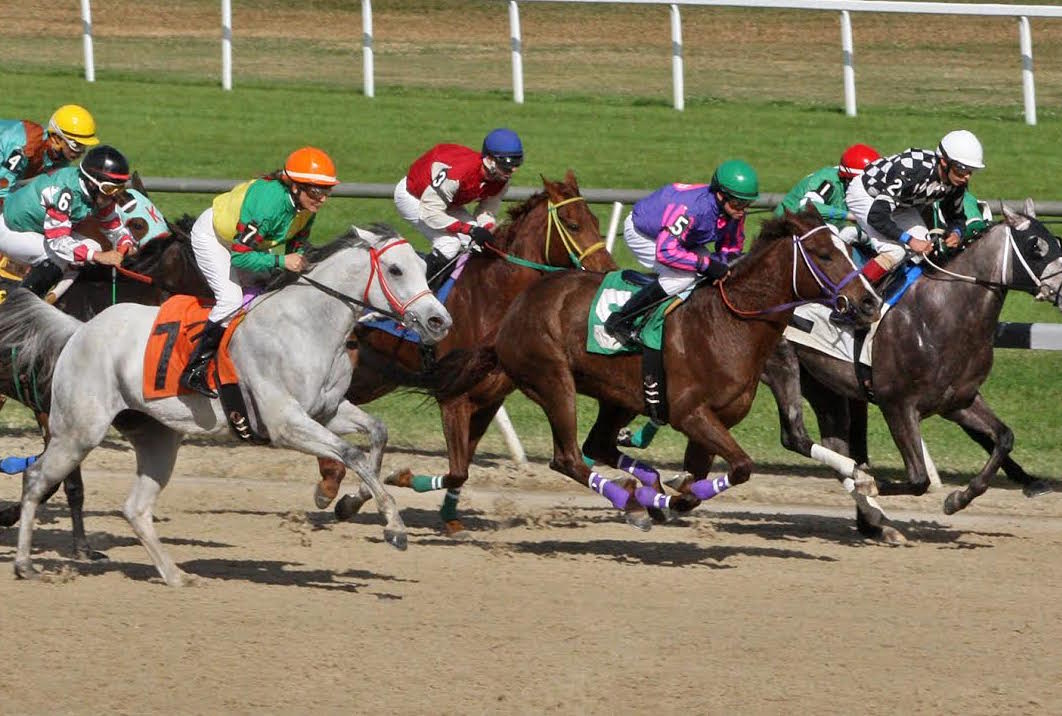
x,y
963,147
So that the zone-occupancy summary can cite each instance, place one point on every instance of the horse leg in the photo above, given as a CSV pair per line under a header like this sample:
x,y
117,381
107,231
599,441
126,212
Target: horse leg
x,y
300,432
980,418
477,424
332,472
710,437
74,487
41,478
903,421
1030,486
600,446
156,452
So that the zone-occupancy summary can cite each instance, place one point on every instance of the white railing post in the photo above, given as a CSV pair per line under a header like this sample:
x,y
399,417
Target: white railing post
x,y
849,68
512,440
613,225
1027,85
86,40
367,69
517,50
679,90
226,44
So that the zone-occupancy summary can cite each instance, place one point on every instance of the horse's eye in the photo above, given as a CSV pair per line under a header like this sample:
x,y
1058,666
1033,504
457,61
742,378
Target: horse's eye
x,y
572,226
395,271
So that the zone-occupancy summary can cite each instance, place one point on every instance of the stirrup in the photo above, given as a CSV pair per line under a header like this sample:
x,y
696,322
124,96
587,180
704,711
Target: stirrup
x,y
195,379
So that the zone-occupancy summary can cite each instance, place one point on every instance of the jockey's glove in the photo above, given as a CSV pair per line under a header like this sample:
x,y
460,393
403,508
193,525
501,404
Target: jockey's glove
x,y
715,270
480,237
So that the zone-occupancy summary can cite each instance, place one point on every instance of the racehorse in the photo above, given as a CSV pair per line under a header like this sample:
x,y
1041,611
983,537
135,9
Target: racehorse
x,y
715,345
932,352
552,230
302,326
163,266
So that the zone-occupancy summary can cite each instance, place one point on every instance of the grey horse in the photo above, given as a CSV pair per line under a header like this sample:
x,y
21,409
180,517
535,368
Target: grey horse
x,y
932,352
289,352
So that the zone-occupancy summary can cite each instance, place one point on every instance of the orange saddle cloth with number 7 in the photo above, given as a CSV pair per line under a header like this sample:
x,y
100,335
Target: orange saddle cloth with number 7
x,y
173,339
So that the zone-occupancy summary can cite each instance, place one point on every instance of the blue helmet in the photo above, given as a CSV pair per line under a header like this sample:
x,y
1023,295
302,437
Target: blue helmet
x,y
505,147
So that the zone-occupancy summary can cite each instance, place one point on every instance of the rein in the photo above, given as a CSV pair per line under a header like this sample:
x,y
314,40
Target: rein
x,y
575,255
831,292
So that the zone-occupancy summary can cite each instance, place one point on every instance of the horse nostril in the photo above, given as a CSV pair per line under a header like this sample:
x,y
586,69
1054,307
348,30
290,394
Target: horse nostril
x,y
436,322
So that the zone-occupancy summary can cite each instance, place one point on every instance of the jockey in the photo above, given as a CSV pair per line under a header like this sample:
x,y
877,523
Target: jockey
x,y
888,198
433,194
825,189
36,226
28,149
240,230
672,231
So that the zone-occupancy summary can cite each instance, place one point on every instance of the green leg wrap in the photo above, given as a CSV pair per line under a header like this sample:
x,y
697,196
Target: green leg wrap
x,y
645,435
427,483
588,461
449,506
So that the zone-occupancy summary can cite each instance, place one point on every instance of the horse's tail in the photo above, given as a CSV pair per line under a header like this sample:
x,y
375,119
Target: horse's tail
x,y
453,375
34,332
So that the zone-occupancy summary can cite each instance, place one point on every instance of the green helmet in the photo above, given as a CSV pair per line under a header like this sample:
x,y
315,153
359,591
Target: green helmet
x,y
737,179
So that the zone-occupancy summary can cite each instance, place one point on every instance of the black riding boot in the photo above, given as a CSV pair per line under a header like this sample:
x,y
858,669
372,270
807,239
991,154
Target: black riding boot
x,y
621,323
42,277
436,269
194,376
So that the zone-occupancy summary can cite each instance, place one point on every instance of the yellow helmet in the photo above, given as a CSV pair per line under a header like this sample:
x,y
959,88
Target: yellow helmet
x,y
74,124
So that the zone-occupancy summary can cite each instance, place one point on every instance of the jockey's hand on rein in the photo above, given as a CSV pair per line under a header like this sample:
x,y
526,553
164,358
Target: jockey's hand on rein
x,y
715,271
481,237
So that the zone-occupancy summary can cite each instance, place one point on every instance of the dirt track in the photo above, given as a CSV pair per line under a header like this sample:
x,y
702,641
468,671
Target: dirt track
x,y
764,601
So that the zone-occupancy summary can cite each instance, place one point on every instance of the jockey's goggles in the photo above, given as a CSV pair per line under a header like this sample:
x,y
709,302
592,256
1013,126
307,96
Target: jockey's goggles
x,y
960,168
315,192
75,146
735,203
508,163
107,188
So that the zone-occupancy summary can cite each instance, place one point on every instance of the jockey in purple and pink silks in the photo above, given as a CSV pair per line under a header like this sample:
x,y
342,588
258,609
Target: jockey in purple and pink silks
x,y
683,231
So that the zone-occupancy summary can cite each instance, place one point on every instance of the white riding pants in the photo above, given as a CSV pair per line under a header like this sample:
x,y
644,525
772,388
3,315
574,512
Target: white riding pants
x,y
673,281
907,219
442,241
216,264
29,247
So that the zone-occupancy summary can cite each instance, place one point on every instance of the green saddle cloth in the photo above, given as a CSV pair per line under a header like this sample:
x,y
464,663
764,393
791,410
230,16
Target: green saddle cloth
x,y
613,293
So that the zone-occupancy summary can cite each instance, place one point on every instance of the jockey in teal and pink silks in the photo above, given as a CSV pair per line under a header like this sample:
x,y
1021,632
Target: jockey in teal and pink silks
x,y
682,232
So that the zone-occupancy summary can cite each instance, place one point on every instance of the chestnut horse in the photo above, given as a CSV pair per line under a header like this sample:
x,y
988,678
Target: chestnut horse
x,y
715,347
554,228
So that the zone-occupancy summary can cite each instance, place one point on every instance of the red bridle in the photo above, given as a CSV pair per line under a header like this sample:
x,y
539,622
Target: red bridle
x,y
377,272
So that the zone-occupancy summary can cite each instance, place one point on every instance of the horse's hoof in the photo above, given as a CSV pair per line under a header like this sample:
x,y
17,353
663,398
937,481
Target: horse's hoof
x,y
347,507
623,439
891,535
1036,488
953,503
324,492
396,539
26,570
182,579
87,554
680,482
685,502
9,515
660,516
865,484
639,520
400,478
455,529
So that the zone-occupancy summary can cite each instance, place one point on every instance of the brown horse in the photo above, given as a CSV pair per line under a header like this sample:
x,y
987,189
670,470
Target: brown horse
x,y
713,355
554,228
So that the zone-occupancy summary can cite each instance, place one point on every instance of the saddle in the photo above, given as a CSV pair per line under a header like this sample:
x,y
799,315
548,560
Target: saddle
x,y
170,346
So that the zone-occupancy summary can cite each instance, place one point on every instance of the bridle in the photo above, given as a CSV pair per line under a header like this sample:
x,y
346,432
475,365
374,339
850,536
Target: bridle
x,y
554,221
830,292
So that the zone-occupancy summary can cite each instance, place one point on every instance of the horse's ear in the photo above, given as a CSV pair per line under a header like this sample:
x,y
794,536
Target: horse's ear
x,y
569,179
1014,219
137,183
1030,208
551,189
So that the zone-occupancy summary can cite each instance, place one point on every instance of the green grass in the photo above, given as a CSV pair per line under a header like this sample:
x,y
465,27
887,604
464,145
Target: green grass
x,y
195,129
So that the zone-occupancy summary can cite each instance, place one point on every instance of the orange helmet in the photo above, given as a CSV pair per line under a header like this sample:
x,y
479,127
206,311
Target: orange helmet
x,y
309,165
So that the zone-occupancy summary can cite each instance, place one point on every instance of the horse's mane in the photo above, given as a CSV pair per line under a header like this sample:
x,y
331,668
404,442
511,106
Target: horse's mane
x,y
349,240
20,326
771,231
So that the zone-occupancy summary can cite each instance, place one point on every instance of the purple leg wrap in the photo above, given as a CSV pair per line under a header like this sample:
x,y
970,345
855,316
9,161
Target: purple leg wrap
x,y
649,497
645,474
709,488
615,494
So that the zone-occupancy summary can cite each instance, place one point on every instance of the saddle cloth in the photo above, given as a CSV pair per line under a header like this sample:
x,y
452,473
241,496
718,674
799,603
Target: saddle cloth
x,y
615,290
173,339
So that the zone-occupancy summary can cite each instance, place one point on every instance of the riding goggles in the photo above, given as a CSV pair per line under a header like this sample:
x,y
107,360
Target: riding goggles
x,y
508,163
315,192
736,203
107,188
75,146
961,169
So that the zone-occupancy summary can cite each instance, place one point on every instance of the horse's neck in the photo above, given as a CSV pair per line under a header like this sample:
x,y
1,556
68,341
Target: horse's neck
x,y
765,284
984,258
332,318
527,235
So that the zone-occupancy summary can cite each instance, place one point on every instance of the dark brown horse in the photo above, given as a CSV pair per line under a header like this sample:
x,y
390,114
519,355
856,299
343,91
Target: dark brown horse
x,y
715,346
169,267
554,228
932,352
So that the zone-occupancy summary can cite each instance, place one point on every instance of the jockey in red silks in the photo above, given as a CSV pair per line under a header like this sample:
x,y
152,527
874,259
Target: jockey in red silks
x,y
433,194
